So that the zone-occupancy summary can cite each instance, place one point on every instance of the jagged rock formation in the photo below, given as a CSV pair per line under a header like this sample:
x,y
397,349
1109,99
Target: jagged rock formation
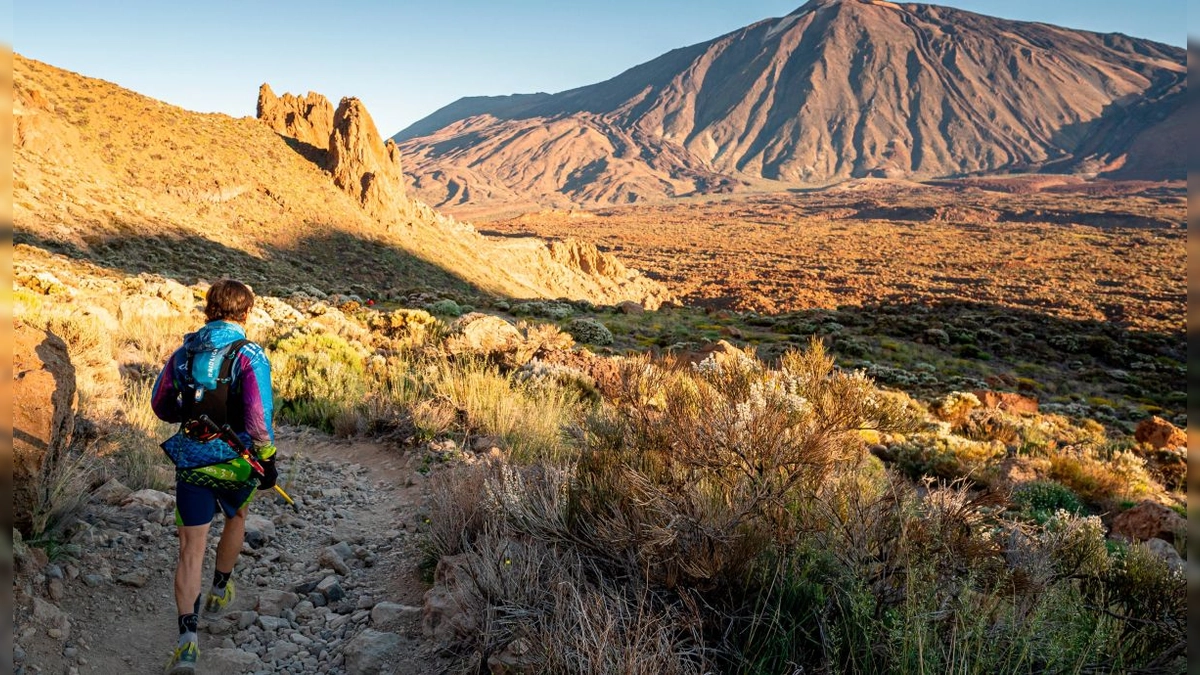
x,y
307,119
362,164
345,143
837,89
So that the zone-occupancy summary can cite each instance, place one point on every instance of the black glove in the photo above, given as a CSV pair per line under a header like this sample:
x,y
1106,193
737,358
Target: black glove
x,y
270,474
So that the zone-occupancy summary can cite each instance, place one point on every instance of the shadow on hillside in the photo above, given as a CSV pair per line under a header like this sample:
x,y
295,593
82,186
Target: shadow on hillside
x,y
318,156
334,261
1121,121
521,234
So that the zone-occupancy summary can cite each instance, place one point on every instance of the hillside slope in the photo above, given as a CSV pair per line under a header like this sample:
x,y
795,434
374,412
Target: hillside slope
x,y
105,174
837,89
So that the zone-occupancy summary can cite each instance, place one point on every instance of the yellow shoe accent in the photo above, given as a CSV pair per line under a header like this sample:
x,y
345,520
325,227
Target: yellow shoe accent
x,y
183,661
215,602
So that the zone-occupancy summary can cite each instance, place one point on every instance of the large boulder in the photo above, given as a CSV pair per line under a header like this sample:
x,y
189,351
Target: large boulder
x,y
179,297
1006,401
371,653
148,307
452,607
43,416
1166,552
719,353
1148,520
1159,434
483,335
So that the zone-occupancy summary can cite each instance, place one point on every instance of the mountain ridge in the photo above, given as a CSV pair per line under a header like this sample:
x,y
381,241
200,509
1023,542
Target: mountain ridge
x,y
832,91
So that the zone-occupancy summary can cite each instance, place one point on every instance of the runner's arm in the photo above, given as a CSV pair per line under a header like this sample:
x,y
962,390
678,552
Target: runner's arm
x,y
164,398
257,396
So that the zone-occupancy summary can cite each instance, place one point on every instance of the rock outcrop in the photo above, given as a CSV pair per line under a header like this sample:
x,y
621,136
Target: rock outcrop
x,y
1007,401
1148,520
581,270
274,194
1159,433
587,258
307,119
486,336
361,163
344,142
43,416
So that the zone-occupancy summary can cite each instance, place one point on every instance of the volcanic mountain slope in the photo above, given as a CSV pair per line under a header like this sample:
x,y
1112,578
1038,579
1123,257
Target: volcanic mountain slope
x,y
837,89
135,185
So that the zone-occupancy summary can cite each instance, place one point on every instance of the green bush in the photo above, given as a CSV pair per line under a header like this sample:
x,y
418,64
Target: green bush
x,y
445,307
1041,499
548,310
944,456
529,419
591,331
317,377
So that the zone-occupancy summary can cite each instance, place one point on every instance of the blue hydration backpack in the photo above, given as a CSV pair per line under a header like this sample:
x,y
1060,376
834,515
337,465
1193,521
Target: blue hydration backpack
x,y
205,412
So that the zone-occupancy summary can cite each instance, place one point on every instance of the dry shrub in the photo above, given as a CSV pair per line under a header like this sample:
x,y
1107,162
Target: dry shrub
x,y
433,418
945,456
725,518
1098,480
540,339
150,340
457,511
411,328
611,629
908,582
63,492
693,473
131,440
539,602
992,424
530,419
955,406
348,422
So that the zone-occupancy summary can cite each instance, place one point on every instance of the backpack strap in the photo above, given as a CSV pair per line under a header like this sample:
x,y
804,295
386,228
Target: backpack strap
x,y
225,376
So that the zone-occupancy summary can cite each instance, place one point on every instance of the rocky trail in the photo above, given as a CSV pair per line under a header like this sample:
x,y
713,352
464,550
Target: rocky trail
x,y
333,589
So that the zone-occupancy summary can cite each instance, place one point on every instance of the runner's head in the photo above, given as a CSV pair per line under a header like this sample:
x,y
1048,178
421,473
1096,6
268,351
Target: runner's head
x,y
229,300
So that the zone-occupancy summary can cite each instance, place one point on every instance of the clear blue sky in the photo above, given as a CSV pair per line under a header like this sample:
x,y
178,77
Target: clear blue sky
x,y
405,58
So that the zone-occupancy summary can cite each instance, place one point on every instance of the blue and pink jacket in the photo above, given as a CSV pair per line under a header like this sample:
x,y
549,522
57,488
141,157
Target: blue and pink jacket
x,y
251,378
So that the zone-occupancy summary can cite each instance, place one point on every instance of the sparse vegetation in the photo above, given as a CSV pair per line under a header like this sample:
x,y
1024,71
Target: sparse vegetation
x,y
718,513
726,505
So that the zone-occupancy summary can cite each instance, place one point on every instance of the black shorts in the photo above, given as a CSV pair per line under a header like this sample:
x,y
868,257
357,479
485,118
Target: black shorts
x,y
196,504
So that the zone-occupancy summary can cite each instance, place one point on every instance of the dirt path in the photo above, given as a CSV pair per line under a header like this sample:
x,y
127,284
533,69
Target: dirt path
x,y
335,589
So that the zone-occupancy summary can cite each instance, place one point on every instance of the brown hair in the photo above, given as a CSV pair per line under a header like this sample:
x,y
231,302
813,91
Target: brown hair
x,y
228,300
